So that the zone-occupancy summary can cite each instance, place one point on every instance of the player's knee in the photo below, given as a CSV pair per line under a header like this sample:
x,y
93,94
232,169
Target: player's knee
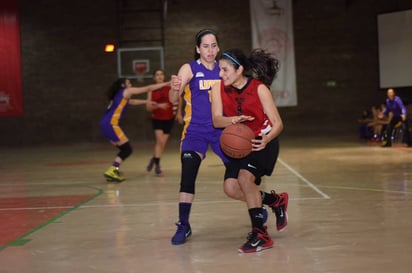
x,y
232,189
190,158
190,167
125,150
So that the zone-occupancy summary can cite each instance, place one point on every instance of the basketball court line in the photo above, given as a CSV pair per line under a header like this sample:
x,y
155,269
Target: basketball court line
x,y
306,181
146,204
287,166
284,164
301,177
156,203
26,221
366,189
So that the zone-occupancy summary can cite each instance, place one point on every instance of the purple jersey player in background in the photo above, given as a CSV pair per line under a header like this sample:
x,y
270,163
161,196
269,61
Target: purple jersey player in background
x,y
120,96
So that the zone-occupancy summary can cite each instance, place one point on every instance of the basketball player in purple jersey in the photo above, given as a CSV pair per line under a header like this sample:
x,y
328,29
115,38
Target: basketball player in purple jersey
x,y
120,96
195,79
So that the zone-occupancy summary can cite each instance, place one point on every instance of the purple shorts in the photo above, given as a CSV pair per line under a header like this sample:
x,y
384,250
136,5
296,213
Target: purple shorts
x,y
199,141
112,132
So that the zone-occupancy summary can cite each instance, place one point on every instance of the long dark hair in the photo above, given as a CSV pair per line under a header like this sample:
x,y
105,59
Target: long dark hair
x,y
198,39
259,64
115,87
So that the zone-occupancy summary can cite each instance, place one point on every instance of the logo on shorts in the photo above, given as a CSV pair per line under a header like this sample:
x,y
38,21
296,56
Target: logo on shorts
x,y
251,166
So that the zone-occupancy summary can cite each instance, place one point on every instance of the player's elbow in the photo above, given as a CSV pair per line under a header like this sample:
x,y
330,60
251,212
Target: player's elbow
x,y
215,121
281,126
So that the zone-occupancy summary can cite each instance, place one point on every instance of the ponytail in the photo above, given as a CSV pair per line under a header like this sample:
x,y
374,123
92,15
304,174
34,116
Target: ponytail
x,y
264,66
259,64
115,87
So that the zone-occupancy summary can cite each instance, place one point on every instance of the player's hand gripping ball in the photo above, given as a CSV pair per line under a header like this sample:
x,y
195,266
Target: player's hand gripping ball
x,y
236,140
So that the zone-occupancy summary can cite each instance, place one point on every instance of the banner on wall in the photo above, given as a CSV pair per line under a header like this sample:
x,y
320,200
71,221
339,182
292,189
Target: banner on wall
x,y
272,30
11,100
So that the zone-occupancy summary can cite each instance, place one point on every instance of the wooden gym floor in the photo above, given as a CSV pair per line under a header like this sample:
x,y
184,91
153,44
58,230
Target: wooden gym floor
x,y
350,210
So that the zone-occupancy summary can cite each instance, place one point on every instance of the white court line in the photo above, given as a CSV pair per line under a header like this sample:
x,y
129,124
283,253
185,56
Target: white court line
x,y
324,195
306,181
150,204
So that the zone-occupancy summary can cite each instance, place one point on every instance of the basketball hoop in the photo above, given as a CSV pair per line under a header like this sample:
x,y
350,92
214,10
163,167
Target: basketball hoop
x,y
140,69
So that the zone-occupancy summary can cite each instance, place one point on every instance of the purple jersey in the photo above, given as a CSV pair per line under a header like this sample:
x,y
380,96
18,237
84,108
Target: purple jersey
x,y
197,95
395,106
198,132
109,124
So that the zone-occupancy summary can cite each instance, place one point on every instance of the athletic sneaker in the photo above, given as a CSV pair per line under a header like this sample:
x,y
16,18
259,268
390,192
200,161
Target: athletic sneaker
x,y
182,234
257,240
386,143
112,174
150,165
158,171
280,208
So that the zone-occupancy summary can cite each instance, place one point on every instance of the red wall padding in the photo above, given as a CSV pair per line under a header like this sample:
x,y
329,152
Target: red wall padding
x,y
11,100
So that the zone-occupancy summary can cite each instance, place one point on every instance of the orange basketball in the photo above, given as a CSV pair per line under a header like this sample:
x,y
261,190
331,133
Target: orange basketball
x,y
235,140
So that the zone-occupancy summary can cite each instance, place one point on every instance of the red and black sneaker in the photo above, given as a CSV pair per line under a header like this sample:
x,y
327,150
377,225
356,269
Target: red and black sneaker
x,y
257,240
280,208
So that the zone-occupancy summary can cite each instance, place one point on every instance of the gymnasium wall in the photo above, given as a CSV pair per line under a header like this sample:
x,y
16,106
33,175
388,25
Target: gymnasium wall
x,y
66,73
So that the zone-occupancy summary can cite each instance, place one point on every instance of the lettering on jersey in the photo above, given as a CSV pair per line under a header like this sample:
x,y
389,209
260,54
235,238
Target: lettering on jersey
x,y
206,84
239,102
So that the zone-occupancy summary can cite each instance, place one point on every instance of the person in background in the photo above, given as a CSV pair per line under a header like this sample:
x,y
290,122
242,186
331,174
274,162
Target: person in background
x,y
379,122
163,117
243,98
372,123
120,96
395,106
365,129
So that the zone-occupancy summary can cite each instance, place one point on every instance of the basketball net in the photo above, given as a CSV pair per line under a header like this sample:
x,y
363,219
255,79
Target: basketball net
x,y
140,69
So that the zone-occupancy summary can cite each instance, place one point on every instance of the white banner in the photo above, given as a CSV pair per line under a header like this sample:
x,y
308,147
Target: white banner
x,y
272,30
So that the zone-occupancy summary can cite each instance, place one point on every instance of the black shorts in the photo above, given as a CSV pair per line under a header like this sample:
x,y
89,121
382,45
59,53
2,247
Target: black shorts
x,y
259,163
165,125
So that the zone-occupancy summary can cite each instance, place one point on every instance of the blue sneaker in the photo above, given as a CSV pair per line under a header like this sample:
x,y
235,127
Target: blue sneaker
x,y
265,215
182,234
